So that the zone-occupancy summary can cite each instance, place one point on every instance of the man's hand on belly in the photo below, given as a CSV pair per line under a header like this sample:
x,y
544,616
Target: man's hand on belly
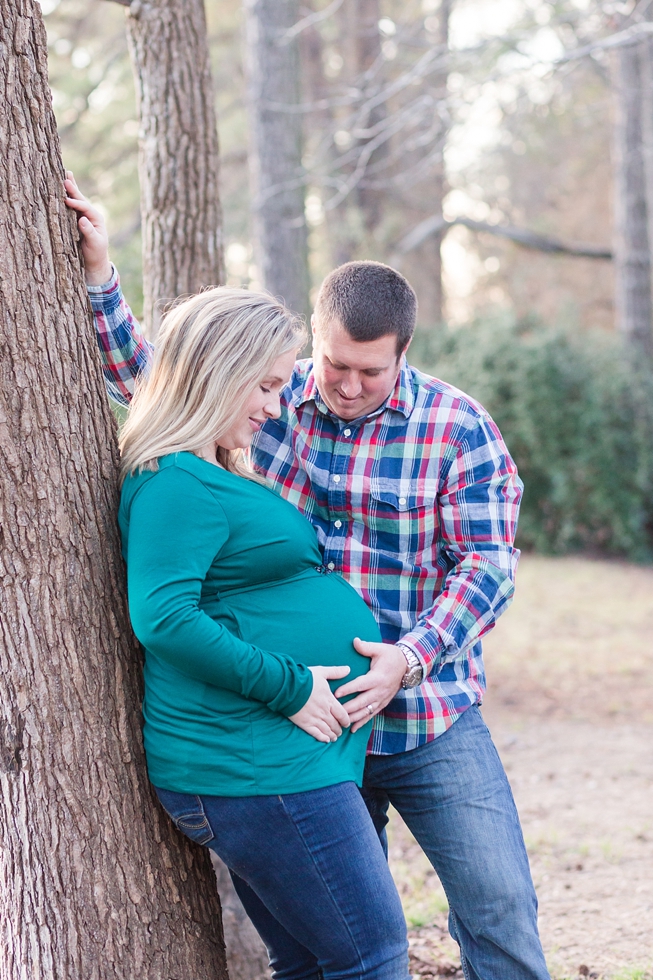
x,y
378,686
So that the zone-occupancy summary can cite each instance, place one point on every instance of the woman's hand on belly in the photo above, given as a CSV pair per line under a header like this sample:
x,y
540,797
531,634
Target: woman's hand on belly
x,y
323,716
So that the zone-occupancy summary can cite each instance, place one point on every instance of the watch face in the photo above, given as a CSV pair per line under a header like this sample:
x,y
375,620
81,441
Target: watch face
x,y
413,677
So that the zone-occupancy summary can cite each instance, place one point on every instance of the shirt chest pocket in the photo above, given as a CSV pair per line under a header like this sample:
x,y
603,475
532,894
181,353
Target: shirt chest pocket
x,y
403,516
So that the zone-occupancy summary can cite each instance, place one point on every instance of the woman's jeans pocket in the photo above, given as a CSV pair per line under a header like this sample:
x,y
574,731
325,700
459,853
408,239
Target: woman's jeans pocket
x,y
187,813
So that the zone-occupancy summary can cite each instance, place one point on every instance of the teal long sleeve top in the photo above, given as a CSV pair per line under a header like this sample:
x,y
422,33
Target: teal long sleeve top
x,y
229,598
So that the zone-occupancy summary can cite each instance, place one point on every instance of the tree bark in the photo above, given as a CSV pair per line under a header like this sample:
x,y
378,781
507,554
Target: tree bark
x,y
366,43
632,247
646,63
178,151
424,267
276,169
353,221
94,881
247,957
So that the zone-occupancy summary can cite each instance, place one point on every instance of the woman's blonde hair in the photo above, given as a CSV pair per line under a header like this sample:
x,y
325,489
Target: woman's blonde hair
x,y
211,351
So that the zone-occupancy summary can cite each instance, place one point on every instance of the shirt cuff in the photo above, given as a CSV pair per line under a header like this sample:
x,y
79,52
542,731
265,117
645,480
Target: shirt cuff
x,y
105,287
288,703
426,645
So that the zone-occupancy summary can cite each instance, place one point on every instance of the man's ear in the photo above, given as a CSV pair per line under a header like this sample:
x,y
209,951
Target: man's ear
x,y
313,327
405,350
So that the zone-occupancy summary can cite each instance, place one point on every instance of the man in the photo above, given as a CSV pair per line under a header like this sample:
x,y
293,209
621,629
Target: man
x,y
414,499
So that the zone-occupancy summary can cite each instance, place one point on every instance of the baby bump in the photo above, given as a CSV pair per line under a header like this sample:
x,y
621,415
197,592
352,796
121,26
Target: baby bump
x,y
312,618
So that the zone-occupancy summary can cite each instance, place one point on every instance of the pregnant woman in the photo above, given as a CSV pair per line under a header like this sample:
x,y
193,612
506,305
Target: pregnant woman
x,y
243,628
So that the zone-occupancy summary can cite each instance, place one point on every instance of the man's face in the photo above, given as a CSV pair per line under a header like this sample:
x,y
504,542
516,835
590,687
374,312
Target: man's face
x,y
353,378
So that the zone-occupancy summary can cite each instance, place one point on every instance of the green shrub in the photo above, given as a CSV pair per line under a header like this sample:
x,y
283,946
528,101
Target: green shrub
x,y
577,415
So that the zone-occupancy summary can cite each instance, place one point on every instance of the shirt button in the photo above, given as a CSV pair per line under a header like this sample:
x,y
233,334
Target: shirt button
x,y
337,524
347,432
331,566
402,501
336,478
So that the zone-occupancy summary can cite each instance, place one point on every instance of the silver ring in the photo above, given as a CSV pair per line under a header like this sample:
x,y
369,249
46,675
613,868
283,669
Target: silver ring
x,y
370,709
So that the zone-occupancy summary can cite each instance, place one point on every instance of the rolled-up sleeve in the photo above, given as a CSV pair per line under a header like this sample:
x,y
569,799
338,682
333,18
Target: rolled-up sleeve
x,y
125,352
478,506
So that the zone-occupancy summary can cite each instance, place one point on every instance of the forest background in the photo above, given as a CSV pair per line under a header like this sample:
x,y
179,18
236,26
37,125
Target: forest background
x,y
507,115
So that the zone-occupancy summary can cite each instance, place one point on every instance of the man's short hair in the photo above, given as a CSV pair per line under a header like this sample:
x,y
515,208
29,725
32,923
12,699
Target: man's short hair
x,y
370,300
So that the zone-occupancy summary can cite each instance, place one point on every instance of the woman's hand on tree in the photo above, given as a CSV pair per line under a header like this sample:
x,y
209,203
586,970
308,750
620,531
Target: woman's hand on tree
x,y
95,240
323,716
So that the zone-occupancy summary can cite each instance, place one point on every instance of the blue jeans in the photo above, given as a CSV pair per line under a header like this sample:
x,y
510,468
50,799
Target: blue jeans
x,y
454,795
455,798
312,875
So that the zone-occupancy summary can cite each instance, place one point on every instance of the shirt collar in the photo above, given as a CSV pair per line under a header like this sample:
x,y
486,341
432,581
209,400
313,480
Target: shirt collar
x,y
401,399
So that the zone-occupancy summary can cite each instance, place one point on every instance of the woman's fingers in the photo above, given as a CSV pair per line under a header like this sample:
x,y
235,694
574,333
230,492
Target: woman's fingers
x,y
338,717
334,729
333,673
328,719
317,734
340,713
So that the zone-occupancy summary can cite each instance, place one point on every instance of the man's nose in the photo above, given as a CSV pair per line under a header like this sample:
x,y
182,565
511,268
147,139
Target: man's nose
x,y
351,386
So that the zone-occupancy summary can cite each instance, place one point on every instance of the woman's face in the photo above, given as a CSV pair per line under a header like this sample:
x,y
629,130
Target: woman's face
x,y
262,404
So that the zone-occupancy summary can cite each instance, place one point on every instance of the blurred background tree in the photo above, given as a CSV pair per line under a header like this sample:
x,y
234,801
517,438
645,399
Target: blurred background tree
x,y
525,121
181,221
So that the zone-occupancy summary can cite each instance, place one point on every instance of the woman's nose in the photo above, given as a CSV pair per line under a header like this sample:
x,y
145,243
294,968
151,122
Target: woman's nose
x,y
272,407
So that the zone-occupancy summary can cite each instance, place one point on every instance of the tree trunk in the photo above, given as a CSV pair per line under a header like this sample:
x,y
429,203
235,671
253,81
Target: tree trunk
x,y
94,881
424,266
277,173
178,151
247,957
632,247
353,221
646,63
367,47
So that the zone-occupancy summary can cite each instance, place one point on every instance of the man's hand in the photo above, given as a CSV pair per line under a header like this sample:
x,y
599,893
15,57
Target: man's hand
x,y
322,716
95,241
378,686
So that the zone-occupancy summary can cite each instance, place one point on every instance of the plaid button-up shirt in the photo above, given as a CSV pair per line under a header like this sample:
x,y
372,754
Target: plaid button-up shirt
x,y
415,505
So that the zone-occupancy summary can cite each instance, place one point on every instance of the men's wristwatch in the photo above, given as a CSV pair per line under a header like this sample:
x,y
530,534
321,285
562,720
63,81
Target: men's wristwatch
x,y
414,671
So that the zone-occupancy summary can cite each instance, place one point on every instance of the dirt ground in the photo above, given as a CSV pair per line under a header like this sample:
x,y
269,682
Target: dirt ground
x,y
570,706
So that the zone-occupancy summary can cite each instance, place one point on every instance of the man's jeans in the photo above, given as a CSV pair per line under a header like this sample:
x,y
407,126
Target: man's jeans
x,y
312,876
455,798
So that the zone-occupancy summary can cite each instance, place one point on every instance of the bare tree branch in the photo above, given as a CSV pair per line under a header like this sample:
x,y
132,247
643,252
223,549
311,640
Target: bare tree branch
x,y
631,35
529,239
309,21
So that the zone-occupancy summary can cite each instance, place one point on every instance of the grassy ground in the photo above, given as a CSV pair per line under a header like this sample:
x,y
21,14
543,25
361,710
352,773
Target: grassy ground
x,y
570,705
